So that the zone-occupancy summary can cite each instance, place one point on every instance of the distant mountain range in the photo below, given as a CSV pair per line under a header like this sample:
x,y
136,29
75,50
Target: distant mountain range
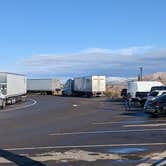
x,y
159,76
118,80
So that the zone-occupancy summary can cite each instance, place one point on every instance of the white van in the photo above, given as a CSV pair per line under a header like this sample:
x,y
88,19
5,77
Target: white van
x,y
139,89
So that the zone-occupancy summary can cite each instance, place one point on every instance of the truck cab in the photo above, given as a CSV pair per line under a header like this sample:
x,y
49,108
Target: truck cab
x,y
68,88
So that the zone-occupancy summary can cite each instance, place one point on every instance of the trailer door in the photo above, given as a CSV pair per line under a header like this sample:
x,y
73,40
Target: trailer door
x,y
98,83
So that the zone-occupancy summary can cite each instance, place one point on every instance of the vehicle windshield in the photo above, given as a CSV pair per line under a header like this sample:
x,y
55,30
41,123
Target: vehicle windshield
x,y
158,88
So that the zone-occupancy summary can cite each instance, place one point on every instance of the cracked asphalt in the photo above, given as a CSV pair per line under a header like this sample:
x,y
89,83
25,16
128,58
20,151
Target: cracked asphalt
x,y
70,131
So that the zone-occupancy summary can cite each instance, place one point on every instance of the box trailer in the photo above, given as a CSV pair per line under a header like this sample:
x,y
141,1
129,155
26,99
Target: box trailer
x,y
90,85
12,88
139,90
44,86
85,86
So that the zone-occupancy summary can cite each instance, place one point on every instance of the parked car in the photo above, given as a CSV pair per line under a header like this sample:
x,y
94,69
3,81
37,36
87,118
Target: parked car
x,y
158,88
152,95
156,106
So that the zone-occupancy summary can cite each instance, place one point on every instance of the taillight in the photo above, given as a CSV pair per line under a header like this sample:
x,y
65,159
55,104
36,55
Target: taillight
x,y
158,104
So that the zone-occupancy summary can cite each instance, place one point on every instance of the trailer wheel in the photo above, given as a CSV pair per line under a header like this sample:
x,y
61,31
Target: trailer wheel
x,y
23,98
13,101
3,104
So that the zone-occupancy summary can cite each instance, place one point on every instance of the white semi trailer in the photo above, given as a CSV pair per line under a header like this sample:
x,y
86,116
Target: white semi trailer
x,y
44,86
12,88
86,86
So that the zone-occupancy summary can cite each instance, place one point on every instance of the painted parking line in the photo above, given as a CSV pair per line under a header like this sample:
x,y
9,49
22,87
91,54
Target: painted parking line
x,y
124,122
106,131
146,125
34,102
4,161
85,146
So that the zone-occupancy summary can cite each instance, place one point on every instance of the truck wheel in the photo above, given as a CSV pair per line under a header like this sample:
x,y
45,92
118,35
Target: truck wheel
x,y
23,98
13,101
3,104
142,103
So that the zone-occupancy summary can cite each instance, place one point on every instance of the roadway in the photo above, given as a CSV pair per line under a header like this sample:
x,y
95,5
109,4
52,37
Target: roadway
x,y
69,131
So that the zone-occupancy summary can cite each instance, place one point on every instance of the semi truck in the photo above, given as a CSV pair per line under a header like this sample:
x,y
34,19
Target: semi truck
x,y
44,86
139,90
13,88
68,88
85,86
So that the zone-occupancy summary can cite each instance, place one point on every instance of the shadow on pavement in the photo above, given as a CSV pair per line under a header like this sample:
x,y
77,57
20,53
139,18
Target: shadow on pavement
x,y
134,113
19,160
114,100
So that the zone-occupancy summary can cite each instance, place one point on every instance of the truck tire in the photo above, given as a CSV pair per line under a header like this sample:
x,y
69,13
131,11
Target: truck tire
x,y
13,101
23,98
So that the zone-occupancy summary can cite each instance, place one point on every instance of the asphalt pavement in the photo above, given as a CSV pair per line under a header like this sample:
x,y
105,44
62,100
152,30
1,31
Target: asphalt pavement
x,y
73,131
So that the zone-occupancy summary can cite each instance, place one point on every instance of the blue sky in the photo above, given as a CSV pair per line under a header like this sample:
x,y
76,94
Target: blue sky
x,y
61,38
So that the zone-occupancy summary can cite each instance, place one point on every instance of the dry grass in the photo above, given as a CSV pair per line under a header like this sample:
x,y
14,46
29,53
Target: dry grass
x,y
114,90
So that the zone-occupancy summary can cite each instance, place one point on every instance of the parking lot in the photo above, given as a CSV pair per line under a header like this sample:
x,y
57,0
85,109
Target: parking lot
x,y
63,131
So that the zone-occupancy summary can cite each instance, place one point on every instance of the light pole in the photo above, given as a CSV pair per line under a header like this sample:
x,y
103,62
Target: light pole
x,y
141,69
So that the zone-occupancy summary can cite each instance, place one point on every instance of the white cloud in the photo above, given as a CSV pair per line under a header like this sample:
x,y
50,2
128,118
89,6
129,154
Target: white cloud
x,y
97,61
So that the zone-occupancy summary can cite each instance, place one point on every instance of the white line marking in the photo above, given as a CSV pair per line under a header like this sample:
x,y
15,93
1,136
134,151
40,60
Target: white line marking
x,y
123,122
85,146
106,131
104,123
146,125
75,105
145,164
21,107
4,161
